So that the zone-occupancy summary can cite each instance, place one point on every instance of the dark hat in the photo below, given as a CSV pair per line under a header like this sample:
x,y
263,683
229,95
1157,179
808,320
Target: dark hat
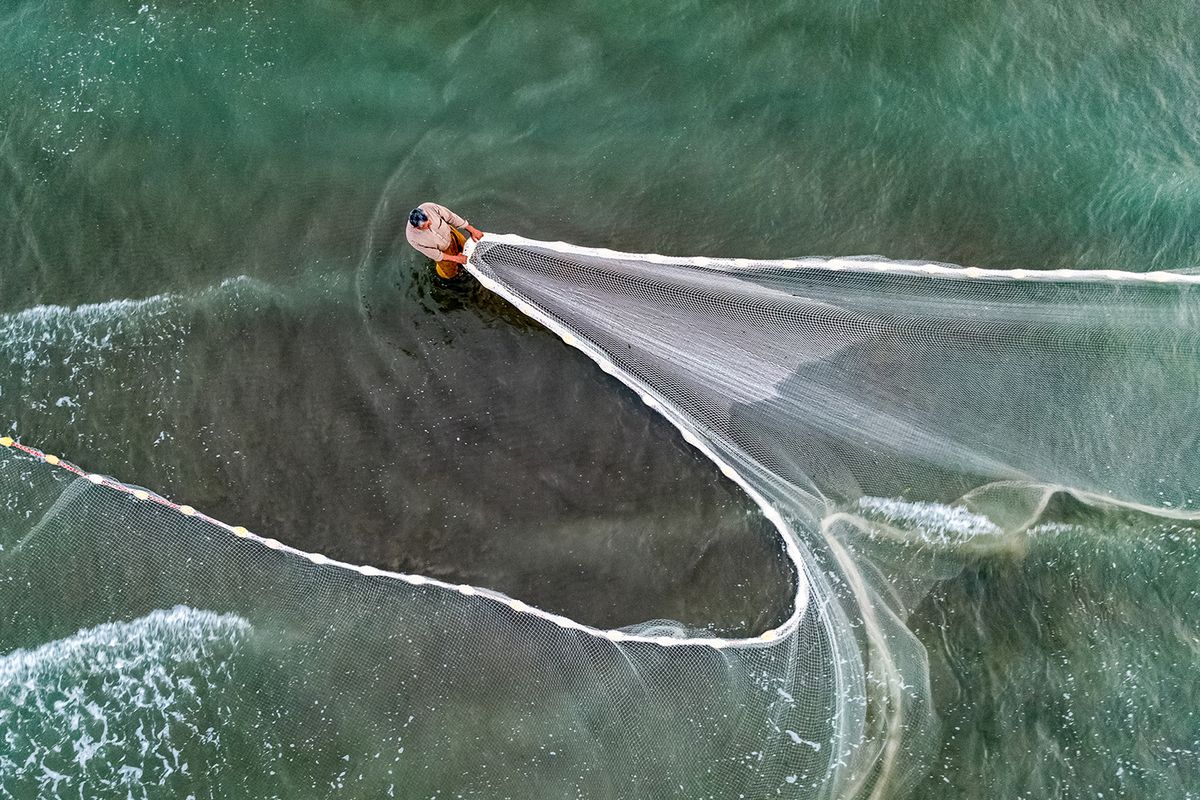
x,y
417,218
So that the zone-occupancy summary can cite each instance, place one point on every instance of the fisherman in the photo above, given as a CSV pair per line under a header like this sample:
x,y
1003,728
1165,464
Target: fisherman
x,y
433,230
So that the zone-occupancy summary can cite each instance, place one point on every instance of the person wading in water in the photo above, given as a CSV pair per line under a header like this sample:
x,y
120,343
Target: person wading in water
x,y
434,231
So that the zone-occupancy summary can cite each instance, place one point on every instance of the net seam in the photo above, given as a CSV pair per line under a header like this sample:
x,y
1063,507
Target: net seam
x,y
656,402
852,264
612,635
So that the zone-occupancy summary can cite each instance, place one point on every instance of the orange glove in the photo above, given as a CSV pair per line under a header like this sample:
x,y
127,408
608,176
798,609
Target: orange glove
x,y
476,234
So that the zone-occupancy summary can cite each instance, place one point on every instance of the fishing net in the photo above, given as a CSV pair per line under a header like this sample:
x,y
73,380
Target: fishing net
x,y
874,411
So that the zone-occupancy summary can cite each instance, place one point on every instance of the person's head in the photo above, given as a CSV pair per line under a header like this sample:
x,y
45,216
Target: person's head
x,y
418,218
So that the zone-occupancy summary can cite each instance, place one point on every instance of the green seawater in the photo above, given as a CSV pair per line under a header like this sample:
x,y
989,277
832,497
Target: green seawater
x,y
205,291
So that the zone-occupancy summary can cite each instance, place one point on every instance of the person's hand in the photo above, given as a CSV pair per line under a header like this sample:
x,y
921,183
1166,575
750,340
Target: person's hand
x,y
457,258
476,234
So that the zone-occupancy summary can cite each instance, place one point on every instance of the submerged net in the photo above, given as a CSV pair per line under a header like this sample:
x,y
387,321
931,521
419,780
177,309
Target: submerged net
x,y
846,397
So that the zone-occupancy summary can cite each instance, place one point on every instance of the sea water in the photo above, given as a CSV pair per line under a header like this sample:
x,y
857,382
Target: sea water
x,y
205,292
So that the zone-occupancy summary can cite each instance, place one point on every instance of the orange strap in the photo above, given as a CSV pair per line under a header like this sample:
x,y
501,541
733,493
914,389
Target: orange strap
x,y
448,269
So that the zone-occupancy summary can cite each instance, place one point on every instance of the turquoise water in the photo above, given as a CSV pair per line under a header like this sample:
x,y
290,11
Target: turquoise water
x,y
205,292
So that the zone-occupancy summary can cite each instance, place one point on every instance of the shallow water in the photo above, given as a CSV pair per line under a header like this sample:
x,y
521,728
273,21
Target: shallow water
x,y
205,292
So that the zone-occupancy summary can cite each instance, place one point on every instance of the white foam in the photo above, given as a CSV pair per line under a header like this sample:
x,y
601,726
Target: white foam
x,y
933,521
87,313
86,715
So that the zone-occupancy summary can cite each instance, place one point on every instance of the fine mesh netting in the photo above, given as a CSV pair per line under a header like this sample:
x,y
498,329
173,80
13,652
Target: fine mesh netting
x,y
834,379
382,683
887,418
